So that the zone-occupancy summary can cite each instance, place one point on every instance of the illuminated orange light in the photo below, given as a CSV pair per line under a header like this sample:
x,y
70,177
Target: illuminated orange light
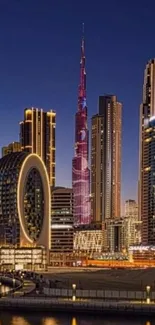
x,y
20,184
28,111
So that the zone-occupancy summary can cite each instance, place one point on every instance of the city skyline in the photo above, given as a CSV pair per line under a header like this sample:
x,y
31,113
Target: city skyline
x,y
35,77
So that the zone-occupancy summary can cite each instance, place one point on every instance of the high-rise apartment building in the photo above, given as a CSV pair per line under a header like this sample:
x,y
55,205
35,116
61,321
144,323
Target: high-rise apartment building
x,y
148,184
132,226
147,154
106,141
88,239
114,235
131,209
12,147
61,220
80,169
37,135
24,201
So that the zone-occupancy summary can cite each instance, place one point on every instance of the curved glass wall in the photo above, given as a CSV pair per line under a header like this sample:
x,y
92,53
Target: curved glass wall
x,y
34,204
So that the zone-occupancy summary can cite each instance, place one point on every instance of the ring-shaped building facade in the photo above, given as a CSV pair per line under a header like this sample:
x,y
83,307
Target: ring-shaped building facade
x,y
24,201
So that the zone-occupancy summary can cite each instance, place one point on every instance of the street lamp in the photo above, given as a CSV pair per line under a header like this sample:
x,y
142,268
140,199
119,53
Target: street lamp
x,y
13,280
73,291
148,288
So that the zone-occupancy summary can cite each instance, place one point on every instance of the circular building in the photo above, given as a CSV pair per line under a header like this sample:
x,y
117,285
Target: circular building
x,y
24,200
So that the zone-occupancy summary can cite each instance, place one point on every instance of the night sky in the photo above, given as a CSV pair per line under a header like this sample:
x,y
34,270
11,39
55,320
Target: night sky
x,y
39,66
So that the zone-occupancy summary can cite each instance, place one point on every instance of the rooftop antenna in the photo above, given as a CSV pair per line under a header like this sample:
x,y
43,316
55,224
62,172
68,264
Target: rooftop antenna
x,y
83,30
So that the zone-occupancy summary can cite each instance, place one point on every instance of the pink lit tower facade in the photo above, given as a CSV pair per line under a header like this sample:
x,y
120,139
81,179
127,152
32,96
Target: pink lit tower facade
x,y
80,169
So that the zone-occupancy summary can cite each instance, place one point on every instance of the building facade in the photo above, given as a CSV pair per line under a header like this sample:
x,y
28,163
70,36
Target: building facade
x,y
88,239
80,169
132,224
132,232
61,220
131,209
146,159
24,201
29,258
114,235
12,147
106,139
148,181
37,135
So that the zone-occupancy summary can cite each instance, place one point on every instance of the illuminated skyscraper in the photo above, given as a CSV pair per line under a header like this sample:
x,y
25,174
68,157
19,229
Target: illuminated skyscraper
x,y
132,226
80,169
106,160
25,200
147,156
37,135
131,209
148,184
61,220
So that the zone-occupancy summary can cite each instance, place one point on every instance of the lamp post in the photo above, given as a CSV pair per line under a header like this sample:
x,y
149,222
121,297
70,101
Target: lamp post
x,y
148,289
74,292
13,280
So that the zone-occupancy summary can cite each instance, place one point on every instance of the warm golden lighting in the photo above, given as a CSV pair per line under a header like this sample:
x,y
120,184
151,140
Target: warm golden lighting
x,y
19,321
49,321
74,321
41,134
32,142
36,136
148,140
51,113
21,180
148,288
74,286
147,169
148,130
28,111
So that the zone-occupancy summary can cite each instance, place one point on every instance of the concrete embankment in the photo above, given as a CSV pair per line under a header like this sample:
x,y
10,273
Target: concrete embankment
x,y
12,284
106,295
90,307
9,281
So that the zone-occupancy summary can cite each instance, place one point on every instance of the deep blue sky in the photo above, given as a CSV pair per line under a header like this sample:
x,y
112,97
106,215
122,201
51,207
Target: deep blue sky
x,y
39,66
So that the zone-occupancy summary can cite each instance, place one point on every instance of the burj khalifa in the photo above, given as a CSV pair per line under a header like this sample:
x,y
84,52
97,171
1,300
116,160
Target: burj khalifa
x,y
80,169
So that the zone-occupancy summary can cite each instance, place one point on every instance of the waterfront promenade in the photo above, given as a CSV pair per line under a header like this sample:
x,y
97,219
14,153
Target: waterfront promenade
x,y
37,304
27,287
47,293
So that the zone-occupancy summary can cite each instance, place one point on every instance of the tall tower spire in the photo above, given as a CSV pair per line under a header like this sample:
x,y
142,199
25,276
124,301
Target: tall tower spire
x,y
83,29
82,85
80,169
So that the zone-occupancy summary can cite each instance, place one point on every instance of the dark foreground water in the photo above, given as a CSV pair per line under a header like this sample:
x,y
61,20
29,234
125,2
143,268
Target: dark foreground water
x,y
61,319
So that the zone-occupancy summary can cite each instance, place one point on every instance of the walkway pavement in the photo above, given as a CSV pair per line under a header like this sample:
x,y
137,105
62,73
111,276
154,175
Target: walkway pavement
x,y
28,286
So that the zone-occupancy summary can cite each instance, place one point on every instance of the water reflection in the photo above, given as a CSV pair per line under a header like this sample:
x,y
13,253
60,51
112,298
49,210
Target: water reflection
x,y
16,320
102,321
74,322
4,289
66,319
50,321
